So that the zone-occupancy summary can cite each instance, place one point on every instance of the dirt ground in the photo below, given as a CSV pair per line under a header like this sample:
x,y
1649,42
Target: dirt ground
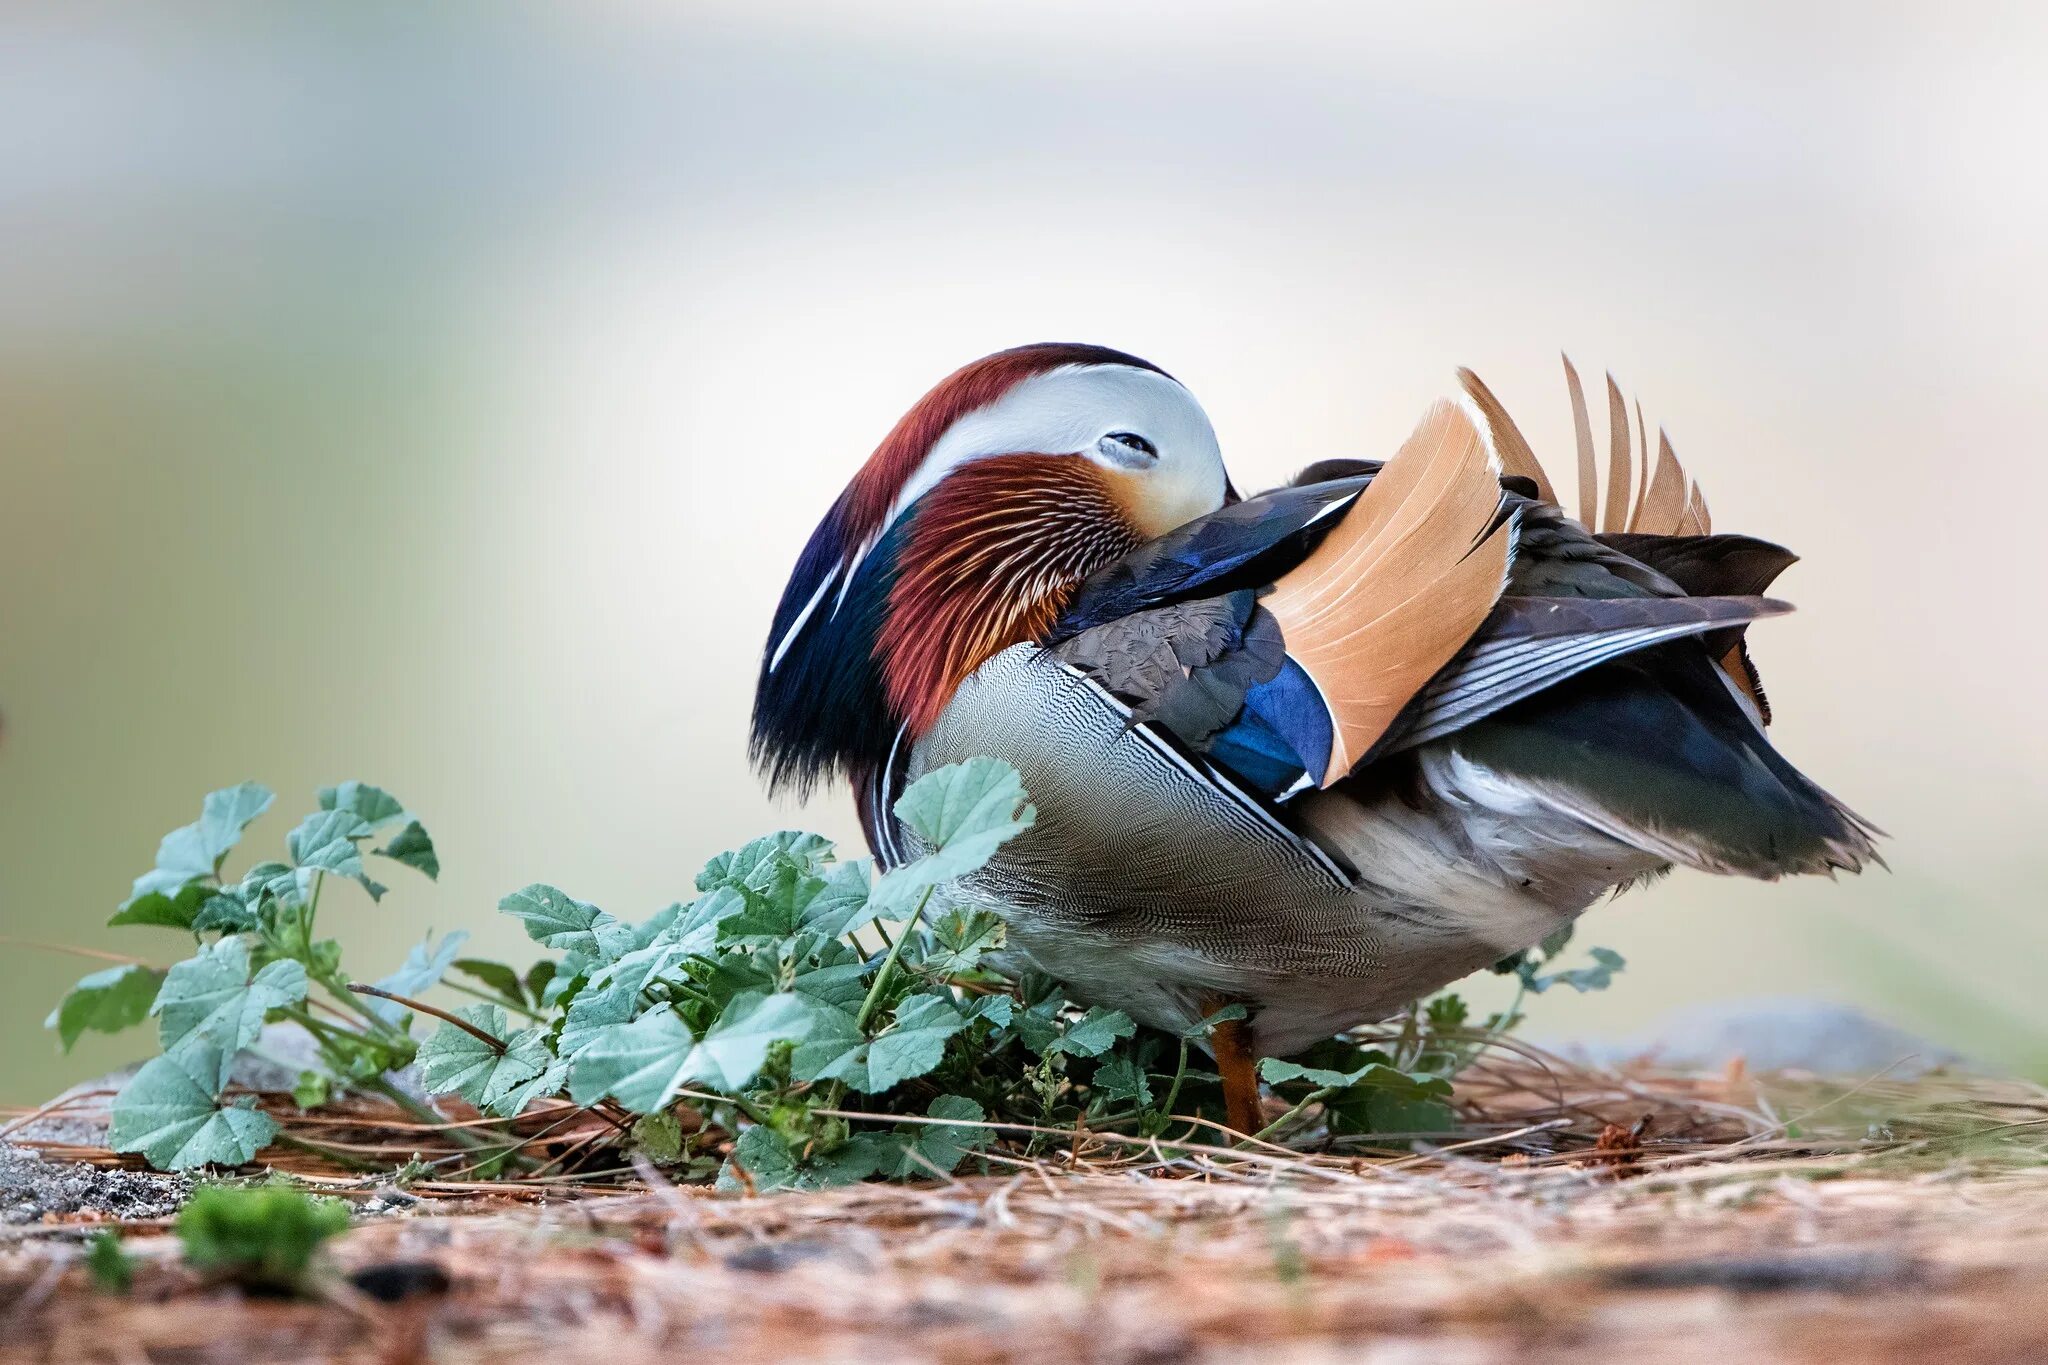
x,y
1482,1264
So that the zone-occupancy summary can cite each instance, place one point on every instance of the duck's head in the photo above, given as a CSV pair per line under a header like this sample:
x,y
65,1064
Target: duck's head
x,y
966,532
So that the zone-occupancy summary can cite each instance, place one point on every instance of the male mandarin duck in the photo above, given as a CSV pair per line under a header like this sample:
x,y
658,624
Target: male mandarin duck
x,y
1318,752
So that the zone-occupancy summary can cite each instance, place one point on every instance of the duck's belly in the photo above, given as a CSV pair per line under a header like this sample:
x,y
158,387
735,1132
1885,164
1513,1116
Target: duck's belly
x,y
1147,886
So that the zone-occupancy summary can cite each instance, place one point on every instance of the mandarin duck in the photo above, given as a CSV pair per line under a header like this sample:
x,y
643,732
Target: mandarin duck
x,y
1317,752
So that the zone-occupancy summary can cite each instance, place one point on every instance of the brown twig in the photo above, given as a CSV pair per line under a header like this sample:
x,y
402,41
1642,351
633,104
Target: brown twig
x,y
497,1045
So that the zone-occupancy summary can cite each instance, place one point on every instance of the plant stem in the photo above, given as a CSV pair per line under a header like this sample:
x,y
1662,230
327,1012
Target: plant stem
x,y
1313,1097
1173,1091
313,906
867,1006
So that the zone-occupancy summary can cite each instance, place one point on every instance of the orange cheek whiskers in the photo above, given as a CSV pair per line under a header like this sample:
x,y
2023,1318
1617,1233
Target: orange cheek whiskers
x,y
991,558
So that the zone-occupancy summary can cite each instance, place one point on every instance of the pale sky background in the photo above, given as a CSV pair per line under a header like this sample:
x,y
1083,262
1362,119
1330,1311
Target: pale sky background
x,y
441,400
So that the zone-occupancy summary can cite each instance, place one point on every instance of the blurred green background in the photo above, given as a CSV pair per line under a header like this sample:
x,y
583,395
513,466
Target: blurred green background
x,y
439,399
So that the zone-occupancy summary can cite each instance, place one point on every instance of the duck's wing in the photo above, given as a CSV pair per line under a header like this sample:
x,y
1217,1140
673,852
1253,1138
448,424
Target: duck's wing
x,y
1299,635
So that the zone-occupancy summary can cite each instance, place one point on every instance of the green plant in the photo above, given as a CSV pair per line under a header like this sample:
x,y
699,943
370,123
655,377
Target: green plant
x,y
823,1024
111,1267
263,1238
257,956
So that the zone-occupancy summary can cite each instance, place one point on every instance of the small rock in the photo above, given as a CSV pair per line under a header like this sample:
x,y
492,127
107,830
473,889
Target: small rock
x,y
1775,1034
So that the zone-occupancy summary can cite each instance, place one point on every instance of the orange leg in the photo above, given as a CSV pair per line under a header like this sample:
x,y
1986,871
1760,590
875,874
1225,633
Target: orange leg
x,y
1232,1041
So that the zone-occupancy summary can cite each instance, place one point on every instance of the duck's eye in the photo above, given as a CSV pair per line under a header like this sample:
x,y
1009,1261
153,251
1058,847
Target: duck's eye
x,y
1128,447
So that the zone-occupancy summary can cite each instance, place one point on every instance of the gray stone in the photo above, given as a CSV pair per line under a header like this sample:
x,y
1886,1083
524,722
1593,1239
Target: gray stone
x,y
1776,1034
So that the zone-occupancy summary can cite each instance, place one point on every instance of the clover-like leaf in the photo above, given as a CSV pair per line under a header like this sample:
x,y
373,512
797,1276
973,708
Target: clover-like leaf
x,y
210,1008
1371,1075
173,1120
194,851
325,841
913,1044
225,912
1119,1080
640,1063
423,967
555,919
963,813
745,866
946,1145
1094,1033
842,903
498,1080
105,1002
959,940
732,1050
374,806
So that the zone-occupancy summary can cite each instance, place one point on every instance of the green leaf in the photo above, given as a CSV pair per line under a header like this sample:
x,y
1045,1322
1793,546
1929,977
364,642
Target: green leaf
x,y
1095,1033
279,882
310,1090
1228,1014
658,1136
105,1002
1598,977
770,1165
597,1008
495,977
1384,1111
997,1009
959,939
843,903
210,1008
423,967
766,1159
733,1049
501,1083
225,912
746,865
196,850
833,1048
640,1063
1119,1080
835,975
1446,1013
775,910
963,813
945,1146
174,1122
1372,1076
172,910
913,1044
1038,1027
325,841
555,919
374,806
415,849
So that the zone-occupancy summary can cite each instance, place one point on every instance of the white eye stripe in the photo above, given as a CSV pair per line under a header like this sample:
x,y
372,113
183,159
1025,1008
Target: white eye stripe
x,y
1066,411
